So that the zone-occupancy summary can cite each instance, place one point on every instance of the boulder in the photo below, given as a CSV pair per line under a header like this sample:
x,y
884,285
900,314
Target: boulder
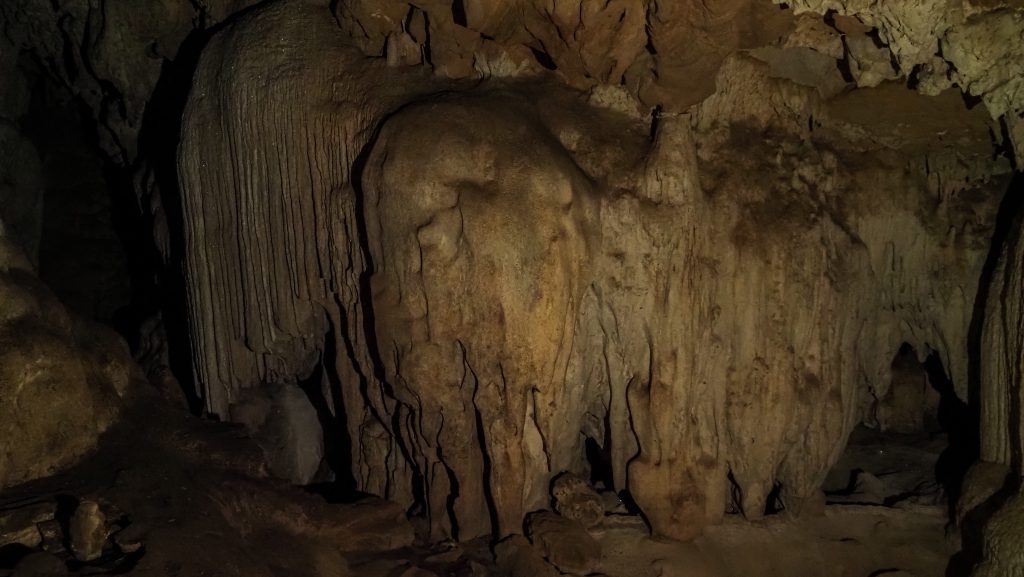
x,y
563,542
88,531
61,379
575,499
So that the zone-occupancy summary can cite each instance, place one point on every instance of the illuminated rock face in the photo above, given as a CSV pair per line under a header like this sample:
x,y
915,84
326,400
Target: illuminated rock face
x,y
496,273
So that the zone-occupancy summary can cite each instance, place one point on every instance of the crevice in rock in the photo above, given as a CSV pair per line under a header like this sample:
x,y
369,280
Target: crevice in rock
x,y
330,410
481,433
960,423
453,492
544,59
459,12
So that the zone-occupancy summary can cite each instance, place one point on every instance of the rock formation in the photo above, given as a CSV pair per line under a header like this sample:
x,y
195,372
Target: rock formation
x,y
491,232
1002,374
507,269
995,481
61,378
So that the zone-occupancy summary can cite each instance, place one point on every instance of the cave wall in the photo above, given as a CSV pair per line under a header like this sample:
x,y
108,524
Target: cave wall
x,y
1002,433
667,321
506,270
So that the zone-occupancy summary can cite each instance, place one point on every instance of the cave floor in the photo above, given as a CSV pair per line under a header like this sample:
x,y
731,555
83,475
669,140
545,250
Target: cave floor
x,y
185,497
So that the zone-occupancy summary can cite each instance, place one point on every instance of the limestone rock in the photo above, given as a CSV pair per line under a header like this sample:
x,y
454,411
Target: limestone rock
x,y
286,427
869,64
21,524
370,524
934,77
509,271
981,482
564,543
984,39
414,571
516,557
970,37
59,383
575,499
1003,550
612,503
88,531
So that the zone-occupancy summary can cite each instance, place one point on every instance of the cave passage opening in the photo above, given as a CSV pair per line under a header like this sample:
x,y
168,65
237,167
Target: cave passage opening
x,y
916,443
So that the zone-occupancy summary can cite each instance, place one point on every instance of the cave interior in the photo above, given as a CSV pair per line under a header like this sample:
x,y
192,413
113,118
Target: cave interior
x,y
755,306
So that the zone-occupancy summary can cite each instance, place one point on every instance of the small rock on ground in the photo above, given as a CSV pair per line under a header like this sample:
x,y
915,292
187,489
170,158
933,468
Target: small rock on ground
x,y
88,530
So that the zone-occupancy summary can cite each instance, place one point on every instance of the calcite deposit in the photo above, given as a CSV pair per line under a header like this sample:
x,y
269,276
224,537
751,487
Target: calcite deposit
x,y
452,251
716,297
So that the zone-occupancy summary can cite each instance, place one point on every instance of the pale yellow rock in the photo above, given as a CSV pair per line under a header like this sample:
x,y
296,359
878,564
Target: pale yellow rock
x,y
87,531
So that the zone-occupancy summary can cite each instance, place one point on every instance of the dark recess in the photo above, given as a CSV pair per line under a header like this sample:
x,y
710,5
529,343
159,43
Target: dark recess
x,y
158,144
459,12
544,59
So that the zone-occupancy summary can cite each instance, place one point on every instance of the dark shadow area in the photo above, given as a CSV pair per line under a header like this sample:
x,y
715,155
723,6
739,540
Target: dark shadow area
x,y
11,555
158,146
459,12
915,447
960,423
544,59
773,505
87,229
330,410
599,457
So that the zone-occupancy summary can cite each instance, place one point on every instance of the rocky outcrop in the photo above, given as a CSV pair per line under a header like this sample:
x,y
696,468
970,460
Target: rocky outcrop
x,y
61,378
937,43
507,269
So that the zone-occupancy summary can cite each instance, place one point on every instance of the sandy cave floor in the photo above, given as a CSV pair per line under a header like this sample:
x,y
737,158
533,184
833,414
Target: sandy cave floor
x,y
186,497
